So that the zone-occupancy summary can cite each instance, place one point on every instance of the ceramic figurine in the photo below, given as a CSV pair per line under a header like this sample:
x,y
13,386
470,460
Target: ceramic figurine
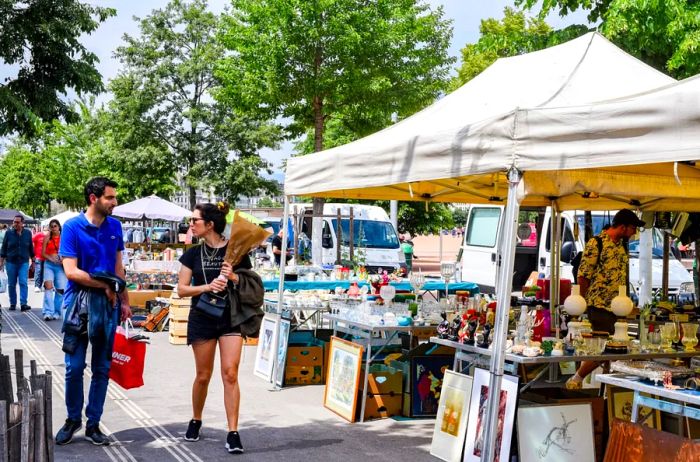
x,y
485,340
453,331
443,327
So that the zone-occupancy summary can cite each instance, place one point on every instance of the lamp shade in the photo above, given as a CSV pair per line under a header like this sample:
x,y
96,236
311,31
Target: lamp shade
x,y
622,305
575,304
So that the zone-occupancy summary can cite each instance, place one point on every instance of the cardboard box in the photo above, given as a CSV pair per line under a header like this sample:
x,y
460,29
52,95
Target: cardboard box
x,y
383,380
303,375
138,298
380,406
309,356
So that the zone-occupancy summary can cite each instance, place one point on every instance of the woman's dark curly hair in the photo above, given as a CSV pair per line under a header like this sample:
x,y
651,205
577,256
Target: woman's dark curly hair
x,y
215,213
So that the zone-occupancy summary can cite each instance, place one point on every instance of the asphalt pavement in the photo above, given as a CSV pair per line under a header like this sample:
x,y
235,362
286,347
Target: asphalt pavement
x,y
149,423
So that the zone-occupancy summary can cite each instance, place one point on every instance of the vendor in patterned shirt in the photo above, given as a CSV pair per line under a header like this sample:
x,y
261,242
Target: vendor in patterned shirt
x,y
604,268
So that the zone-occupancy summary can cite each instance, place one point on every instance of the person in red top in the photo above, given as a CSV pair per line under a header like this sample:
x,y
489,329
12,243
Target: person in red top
x,y
38,242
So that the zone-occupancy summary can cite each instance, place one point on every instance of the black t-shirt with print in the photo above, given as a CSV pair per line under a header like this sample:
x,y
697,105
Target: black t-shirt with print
x,y
213,259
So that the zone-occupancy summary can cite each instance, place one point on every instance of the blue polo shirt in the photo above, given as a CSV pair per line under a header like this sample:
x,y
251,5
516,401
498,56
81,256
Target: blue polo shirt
x,y
95,247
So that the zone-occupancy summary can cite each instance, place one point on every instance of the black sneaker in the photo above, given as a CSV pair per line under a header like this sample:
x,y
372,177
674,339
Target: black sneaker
x,y
233,443
25,308
65,434
95,436
193,428
13,307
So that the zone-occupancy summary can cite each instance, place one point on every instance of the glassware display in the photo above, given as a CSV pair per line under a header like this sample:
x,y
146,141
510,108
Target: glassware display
x,y
668,332
653,341
447,270
690,336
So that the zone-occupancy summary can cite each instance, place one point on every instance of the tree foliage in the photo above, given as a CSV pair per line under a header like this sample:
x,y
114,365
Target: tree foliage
x,y
355,61
663,33
164,94
40,39
515,34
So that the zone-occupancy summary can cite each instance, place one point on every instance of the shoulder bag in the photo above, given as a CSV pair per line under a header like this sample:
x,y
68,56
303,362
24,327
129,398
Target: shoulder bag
x,y
209,303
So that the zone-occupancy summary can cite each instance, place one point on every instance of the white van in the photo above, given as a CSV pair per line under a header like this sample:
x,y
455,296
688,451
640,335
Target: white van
x,y
375,241
483,233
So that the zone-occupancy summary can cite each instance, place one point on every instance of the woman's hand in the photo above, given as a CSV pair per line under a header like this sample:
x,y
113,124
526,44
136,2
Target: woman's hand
x,y
217,285
227,272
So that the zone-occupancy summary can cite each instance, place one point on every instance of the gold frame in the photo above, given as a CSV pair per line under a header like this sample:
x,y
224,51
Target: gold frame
x,y
350,377
617,407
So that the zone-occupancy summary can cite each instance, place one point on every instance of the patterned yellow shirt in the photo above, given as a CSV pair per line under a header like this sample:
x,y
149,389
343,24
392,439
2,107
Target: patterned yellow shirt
x,y
606,272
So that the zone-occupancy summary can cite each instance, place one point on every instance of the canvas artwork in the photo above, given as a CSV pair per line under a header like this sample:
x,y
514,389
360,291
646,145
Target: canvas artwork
x,y
284,327
556,433
620,407
452,417
265,355
343,379
477,416
427,373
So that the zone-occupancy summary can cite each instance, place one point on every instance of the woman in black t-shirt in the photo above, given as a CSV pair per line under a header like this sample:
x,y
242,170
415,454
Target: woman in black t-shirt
x,y
204,270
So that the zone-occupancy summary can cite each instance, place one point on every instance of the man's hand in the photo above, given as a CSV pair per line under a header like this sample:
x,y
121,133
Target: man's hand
x,y
111,295
126,311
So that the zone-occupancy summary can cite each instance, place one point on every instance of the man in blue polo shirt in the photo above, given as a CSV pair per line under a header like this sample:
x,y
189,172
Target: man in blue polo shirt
x,y
91,242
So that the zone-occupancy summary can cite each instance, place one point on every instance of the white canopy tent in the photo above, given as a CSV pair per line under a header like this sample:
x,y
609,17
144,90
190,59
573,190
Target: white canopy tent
x,y
152,208
61,217
565,150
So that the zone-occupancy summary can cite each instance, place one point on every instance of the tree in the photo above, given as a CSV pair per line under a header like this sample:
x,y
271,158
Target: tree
x,y
515,34
663,33
24,184
268,202
165,93
353,62
40,38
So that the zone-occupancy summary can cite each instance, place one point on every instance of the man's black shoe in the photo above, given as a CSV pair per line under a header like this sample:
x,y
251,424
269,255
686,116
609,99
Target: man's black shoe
x,y
233,443
193,429
95,436
65,434
25,308
13,307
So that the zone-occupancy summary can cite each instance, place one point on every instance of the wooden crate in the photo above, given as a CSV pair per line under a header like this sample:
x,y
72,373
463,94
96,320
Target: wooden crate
x,y
179,313
178,339
178,328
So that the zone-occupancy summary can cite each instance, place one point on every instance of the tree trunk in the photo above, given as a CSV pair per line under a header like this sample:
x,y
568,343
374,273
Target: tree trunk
x,y
317,222
193,196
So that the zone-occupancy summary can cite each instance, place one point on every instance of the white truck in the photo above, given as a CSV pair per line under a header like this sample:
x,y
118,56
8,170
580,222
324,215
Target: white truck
x,y
483,233
375,241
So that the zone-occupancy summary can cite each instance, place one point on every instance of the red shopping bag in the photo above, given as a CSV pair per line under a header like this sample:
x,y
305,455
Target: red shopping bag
x,y
128,358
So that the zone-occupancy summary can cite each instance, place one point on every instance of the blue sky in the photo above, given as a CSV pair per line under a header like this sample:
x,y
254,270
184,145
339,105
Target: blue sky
x,y
466,16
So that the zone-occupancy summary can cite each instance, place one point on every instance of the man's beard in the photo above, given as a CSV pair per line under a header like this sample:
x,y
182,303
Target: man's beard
x,y
102,210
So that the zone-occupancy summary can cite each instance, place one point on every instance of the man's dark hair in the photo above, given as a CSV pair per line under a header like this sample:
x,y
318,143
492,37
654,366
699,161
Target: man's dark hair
x,y
21,217
97,187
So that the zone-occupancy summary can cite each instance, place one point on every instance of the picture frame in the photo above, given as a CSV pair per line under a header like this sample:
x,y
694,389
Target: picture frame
x,y
343,379
285,326
556,433
267,347
452,417
620,407
427,372
477,416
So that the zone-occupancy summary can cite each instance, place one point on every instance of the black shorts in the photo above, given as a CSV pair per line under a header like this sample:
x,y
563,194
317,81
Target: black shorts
x,y
602,319
201,327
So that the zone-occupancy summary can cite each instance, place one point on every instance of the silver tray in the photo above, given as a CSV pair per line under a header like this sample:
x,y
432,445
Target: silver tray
x,y
651,370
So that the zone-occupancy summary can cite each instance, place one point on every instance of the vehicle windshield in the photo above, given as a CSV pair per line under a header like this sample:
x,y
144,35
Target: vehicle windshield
x,y
369,234
601,220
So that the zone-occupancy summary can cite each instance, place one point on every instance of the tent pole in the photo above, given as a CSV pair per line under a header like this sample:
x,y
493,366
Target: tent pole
x,y
555,266
503,291
280,289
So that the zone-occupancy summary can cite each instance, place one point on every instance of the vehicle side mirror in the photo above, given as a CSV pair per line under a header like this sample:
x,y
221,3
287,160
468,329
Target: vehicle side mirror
x,y
567,251
327,241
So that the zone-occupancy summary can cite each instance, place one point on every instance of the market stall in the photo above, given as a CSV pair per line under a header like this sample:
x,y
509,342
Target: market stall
x,y
552,128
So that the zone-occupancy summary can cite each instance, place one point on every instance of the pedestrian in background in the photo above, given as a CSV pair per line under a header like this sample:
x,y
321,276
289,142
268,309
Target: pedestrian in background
x,y
92,243
38,243
54,276
407,249
16,255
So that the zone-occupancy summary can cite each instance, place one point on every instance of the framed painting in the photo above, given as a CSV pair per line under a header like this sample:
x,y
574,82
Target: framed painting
x,y
477,416
282,344
427,373
452,416
267,343
556,433
620,407
343,380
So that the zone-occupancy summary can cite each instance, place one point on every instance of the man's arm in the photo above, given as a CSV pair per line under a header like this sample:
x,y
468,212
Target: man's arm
x,y
3,249
124,295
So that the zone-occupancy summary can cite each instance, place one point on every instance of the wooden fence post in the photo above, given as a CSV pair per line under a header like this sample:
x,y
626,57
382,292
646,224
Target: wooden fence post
x,y
39,431
4,449
19,373
48,415
14,433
